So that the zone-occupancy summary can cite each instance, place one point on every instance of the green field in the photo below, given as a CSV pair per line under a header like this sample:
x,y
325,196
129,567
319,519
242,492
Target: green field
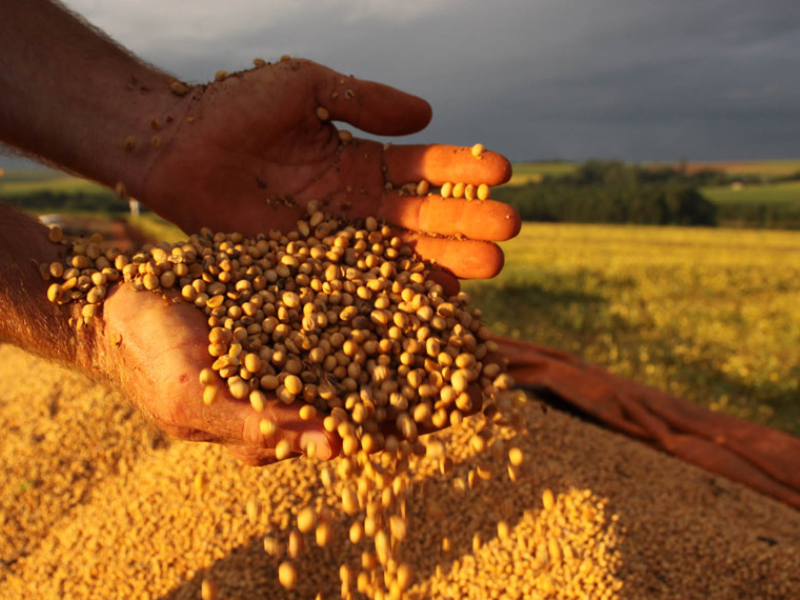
x,y
755,194
535,171
63,185
37,174
773,193
16,183
712,315
526,172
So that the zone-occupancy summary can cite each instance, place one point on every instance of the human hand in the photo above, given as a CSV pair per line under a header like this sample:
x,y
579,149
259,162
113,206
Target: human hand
x,y
154,349
249,153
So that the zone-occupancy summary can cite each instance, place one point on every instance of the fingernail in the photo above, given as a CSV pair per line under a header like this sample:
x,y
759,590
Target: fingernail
x,y
320,440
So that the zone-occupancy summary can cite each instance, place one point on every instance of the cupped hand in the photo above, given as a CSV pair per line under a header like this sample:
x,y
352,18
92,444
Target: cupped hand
x,y
155,348
251,151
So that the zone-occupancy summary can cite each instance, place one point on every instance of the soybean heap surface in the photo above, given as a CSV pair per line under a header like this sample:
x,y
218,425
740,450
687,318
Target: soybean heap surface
x,y
96,504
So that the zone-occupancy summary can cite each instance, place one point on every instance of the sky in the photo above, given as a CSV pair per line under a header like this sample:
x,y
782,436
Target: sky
x,y
637,80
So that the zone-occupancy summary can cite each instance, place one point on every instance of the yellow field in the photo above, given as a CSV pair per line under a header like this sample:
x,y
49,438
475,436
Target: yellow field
x,y
712,315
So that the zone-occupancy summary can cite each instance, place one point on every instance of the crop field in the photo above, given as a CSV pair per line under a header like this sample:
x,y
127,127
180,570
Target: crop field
x,y
767,169
786,192
22,182
65,185
28,175
535,171
712,315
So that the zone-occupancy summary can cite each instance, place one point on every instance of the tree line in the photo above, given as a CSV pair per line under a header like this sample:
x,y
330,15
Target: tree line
x,y
65,202
615,192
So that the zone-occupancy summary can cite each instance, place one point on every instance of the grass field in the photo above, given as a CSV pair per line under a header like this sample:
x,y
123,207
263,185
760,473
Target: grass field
x,y
15,183
711,315
38,174
774,193
535,171
65,185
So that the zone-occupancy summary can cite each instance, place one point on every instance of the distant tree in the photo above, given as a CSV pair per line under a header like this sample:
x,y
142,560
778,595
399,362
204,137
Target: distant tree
x,y
613,192
687,206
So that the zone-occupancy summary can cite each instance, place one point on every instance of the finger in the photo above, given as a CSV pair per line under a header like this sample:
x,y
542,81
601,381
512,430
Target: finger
x,y
476,219
370,106
466,259
449,283
438,164
239,424
253,457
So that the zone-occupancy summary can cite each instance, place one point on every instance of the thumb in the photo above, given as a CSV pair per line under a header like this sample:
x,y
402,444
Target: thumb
x,y
228,414
372,107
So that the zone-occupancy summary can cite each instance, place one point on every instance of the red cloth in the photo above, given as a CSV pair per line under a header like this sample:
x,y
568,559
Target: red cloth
x,y
764,459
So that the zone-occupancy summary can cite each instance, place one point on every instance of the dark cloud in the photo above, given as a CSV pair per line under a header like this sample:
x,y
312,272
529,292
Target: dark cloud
x,y
633,79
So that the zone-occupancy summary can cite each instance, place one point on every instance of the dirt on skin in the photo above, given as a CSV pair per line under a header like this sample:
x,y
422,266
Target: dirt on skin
x,y
97,504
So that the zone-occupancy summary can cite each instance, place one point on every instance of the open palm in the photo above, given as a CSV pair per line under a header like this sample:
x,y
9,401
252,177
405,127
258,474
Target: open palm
x,y
251,152
154,349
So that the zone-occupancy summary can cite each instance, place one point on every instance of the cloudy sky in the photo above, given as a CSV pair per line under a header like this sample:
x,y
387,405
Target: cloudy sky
x,y
536,79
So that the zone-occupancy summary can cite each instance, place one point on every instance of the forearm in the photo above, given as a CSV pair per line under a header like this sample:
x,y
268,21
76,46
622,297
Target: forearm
x,y
74,98
27,318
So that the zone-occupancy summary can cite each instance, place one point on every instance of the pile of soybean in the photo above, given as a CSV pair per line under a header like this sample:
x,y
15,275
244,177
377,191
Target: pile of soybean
x,y
94,503
343,320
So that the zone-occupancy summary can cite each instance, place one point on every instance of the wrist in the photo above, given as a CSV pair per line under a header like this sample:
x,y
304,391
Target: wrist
x,y
156,129
27,318
148,118
138,125
77,99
